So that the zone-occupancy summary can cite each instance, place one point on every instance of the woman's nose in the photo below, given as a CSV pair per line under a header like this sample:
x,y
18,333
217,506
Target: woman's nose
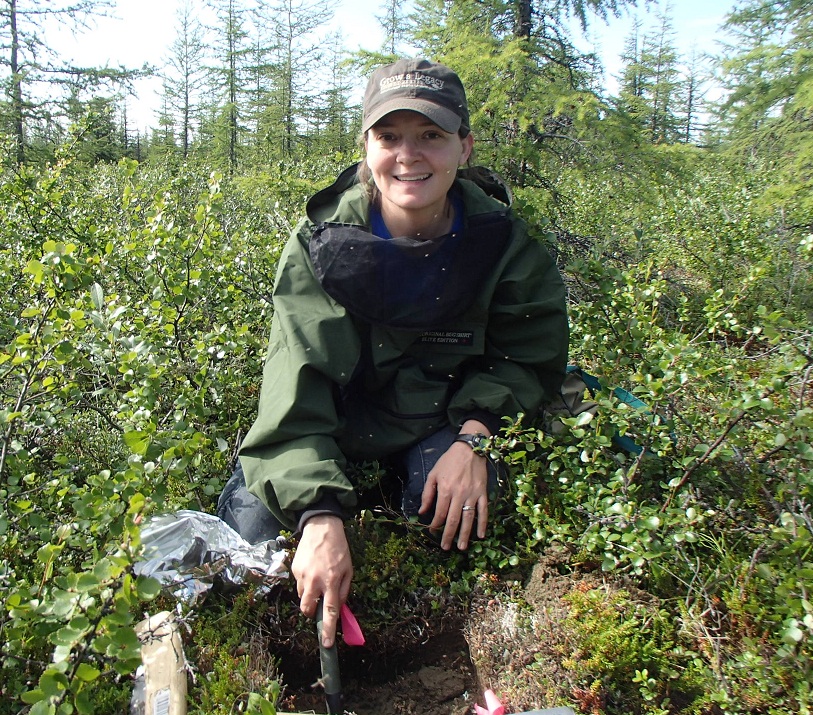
x,y
408,151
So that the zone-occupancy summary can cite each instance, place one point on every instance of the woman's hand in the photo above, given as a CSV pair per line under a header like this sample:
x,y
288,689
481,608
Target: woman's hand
x,y
323,568
459,479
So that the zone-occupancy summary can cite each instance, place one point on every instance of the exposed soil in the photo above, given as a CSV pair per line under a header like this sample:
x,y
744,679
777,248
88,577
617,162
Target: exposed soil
x,y
438,661
436,679
511,642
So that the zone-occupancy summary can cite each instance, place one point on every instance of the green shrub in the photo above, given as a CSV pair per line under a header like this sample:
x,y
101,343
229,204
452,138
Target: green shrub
x,y
133,321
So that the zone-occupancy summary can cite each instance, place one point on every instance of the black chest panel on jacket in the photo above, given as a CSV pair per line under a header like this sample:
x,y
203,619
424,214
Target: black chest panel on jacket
x,y
405,283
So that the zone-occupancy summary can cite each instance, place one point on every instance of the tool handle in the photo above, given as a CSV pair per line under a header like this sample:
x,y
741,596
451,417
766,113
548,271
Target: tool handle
x,y
329,659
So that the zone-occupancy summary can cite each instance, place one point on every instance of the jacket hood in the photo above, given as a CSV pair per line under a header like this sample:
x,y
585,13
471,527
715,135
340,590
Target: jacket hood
x,y
403,282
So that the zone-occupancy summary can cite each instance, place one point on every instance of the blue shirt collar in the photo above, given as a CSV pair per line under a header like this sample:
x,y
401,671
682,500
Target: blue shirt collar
x,y
379,228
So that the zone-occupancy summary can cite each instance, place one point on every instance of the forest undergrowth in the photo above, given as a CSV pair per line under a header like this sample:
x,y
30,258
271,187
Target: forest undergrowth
x,y
135,309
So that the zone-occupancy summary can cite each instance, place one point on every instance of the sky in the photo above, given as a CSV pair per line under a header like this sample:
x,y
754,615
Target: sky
x,y
143,30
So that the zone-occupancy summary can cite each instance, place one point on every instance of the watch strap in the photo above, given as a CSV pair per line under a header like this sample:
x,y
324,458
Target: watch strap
x,y
475,441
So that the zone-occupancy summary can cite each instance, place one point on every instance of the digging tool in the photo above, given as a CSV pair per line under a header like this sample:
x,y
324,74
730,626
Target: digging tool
x,y
329,658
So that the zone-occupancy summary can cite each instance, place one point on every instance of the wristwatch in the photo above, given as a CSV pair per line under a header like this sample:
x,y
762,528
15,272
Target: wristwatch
x,y
482,446
477,441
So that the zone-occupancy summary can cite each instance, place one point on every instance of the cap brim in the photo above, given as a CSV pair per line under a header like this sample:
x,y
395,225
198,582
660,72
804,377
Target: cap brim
x,y
446,119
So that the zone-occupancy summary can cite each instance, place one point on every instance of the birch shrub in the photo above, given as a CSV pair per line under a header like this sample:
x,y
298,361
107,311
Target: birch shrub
x,y
134,318
714,513
131,335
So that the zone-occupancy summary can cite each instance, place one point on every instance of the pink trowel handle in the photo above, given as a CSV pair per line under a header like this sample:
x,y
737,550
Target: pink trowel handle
x,y
495,707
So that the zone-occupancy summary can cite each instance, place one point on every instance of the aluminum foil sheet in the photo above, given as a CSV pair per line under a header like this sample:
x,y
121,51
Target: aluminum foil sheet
x,y
189,551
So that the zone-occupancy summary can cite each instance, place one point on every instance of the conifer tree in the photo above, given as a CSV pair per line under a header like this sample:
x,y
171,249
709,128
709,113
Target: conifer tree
x,y
650,82
529,88
692,104
185,77
296,59
660,60
333,123
39,86
768,63
631,90
768,110
394,22
163,142
229,72
263,117
96,132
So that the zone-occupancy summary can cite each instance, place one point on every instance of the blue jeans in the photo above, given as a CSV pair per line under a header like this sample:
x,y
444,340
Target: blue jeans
x,y
244,512
250,518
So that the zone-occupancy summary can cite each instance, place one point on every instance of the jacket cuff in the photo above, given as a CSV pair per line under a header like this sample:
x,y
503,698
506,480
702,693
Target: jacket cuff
x,y
489,419
328,504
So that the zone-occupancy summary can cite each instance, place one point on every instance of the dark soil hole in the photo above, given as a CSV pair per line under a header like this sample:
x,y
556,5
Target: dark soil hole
x,y
434,677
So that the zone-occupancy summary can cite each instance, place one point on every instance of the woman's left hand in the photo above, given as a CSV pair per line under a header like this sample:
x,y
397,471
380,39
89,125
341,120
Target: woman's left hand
x,y
458,487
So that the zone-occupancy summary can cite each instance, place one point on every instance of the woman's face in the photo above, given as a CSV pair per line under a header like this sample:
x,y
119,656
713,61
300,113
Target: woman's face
x,y
413,163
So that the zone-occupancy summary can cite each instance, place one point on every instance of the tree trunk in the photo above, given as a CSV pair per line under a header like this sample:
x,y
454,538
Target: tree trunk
x,y
16,85
524,19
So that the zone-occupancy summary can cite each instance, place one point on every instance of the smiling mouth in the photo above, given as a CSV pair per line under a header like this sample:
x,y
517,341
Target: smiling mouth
x,y
422,177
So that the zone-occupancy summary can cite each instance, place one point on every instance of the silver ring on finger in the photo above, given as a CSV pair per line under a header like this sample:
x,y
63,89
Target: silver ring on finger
x,y
467,507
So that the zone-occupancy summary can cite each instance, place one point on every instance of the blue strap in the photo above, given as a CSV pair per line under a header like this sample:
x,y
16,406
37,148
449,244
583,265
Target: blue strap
x,y
593,385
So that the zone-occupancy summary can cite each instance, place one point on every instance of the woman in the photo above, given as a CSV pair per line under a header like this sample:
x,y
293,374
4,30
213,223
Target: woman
x,y
411,313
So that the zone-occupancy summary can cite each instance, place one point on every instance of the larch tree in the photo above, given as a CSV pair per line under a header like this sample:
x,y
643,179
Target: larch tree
x,y
650,82
262,116
395,23
660,59
296,53
38,84
529,88
632,95
229,77
692,101
333,120
185,74
767,70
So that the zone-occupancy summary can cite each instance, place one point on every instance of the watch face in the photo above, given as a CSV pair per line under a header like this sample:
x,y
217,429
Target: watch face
x,y
475,440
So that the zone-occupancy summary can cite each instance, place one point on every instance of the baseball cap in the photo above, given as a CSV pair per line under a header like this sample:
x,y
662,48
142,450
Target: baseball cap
x,y
430,88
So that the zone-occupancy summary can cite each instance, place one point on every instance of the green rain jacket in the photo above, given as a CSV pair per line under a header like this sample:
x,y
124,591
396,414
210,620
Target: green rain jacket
x,y
377,343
